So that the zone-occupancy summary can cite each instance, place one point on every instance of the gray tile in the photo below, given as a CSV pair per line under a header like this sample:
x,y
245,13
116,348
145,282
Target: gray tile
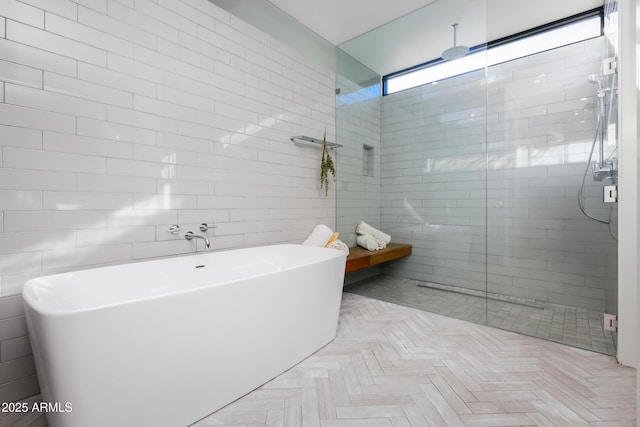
x,y
575,326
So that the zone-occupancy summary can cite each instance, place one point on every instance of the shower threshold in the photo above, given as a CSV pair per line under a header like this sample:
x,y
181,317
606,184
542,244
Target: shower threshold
x,y
574,326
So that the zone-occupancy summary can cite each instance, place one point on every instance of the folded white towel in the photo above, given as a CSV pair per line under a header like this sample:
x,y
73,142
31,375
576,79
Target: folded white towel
x,y
340,245
319,236
366,229
370,243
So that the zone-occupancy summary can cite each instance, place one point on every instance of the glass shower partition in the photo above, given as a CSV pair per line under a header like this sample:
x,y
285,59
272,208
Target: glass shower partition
x,y
358,130
551,270
434,191
428,180
487,175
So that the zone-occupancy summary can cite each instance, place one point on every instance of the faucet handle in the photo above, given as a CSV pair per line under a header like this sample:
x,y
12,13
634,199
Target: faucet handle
x,y
204,226
174,229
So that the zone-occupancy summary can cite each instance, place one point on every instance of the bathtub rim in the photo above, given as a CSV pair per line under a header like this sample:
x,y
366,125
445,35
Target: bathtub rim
x,y
30,298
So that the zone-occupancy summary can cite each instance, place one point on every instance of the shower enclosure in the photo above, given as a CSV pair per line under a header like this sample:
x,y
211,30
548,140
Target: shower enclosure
x,y
496,177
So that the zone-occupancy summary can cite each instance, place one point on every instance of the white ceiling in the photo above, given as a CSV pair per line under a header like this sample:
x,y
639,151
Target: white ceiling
x,y
390,36
341,20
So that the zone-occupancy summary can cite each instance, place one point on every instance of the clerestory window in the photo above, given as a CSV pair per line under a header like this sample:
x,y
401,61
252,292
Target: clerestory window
x,y
556,34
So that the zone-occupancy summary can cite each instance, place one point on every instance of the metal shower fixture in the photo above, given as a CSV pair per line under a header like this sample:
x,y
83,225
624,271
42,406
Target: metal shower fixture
x,y
456,51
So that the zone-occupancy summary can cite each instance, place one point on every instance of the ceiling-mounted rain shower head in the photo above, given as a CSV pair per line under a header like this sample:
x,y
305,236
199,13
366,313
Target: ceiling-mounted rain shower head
x,y
456,51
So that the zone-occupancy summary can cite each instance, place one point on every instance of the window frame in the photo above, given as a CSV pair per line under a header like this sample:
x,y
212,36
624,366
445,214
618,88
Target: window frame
x,y
589,14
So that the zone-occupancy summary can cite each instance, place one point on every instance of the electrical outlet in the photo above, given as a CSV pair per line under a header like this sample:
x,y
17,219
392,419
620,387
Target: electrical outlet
x,y
610,322
609,65
610,194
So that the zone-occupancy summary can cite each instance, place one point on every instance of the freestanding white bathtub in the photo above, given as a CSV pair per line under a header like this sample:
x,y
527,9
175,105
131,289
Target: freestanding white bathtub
x,y
167,342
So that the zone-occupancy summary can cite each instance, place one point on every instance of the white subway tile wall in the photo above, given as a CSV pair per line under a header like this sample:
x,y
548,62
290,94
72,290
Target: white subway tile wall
x,y
358,124
359,194
481,174
120,118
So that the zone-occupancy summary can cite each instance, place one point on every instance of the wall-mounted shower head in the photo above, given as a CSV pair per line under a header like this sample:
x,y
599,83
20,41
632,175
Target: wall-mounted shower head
x,y
595,79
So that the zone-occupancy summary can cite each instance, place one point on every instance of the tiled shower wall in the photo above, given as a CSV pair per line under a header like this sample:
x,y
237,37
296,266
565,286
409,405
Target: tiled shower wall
x,y
122,117
481,174
358,161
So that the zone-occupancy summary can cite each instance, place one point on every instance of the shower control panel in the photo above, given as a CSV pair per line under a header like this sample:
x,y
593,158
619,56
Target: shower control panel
x,y
610,194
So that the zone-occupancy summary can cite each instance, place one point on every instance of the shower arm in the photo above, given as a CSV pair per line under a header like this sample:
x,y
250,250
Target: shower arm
x,y
455,35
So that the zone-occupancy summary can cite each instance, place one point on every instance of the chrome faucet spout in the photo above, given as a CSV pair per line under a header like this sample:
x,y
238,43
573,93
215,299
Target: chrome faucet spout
x,y
190,235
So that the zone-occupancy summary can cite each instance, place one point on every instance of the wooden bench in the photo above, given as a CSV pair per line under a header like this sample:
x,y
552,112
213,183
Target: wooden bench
x,y
361,258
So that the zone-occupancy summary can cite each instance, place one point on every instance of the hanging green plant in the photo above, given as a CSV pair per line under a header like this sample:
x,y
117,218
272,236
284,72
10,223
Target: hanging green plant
x,y
326,166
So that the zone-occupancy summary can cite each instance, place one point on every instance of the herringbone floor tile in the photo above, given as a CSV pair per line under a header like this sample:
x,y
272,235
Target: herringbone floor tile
x,y
398,366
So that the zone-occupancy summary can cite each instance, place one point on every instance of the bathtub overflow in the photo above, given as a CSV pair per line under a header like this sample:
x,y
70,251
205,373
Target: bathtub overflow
x,y
200,266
